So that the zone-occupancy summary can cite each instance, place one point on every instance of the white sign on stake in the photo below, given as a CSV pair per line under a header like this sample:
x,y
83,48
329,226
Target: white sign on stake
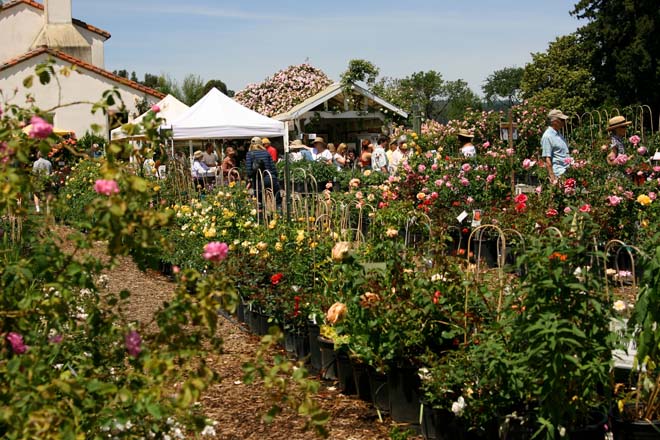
x,y
463,215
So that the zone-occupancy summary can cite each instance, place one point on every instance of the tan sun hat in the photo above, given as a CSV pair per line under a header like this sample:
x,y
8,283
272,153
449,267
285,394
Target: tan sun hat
x,y
256,141
464,133
198,154
616,122
556,114
319,140
296,145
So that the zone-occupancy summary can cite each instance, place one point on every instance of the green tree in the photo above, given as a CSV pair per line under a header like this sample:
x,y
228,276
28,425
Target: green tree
x,y
360,70
624,48
561,77
425,88
218,84
192,88
458,97
504,85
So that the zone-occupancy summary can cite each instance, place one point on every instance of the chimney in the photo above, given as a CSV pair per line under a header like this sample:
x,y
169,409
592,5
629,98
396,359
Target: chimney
x,y
59,33
58,11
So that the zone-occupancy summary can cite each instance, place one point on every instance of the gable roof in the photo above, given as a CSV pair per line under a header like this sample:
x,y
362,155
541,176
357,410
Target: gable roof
x,y
85,65
40,6
329,93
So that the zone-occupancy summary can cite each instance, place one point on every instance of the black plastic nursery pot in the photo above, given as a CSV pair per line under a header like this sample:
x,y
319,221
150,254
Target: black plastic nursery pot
x,y
403,385
361,380
301,342
345,373
328,359
594,429
636,430
380,396
314,349
440,424
240,312
262,324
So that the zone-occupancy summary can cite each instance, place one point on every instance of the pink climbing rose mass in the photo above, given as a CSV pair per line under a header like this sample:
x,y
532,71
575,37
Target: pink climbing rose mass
x,y
106,187
133,343
16,342
40,129
215,251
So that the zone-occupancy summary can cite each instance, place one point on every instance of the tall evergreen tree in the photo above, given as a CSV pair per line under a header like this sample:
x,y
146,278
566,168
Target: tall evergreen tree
x,y
622,36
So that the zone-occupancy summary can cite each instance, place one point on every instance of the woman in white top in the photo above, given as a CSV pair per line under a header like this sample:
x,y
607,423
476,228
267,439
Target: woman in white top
x,y
339,158
322,152
467,148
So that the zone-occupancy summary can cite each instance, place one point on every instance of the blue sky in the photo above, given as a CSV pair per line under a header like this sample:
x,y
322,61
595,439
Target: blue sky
x,y
241,42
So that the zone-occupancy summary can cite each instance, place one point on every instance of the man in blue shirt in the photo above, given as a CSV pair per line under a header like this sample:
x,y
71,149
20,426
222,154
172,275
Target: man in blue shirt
x,y
554,148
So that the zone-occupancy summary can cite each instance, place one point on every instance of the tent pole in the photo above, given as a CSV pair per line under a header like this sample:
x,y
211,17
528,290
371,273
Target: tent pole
x,y
287,185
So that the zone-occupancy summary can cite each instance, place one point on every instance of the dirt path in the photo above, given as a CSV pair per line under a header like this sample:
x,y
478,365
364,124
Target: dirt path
x,y
238,407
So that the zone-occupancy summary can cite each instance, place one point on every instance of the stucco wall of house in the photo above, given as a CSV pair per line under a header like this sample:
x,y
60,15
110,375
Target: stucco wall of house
x,y
19,27
81,87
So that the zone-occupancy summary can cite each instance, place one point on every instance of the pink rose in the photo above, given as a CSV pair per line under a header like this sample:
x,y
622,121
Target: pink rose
x,y
421,168
642,150
434,167
133,343
634,139
486,144
551,212
527,164
155,108
614,200
464,181
509,151
439,182
538,189
585,208
567,210
40,128
215,251
16,342
490,178
621,159
466,167
652,195
106,187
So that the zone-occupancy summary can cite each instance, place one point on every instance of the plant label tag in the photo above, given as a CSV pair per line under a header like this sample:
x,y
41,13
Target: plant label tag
x,y
463,215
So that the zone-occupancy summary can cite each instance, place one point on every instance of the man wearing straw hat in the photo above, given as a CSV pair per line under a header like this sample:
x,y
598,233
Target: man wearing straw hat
x,y
616,126
554,148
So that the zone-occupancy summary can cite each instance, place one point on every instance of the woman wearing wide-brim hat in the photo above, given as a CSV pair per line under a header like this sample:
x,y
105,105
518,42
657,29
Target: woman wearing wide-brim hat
x,y
616,126
467,147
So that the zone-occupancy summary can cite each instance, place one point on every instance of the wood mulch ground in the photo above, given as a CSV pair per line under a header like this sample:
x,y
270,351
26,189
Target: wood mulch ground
x,y
236,406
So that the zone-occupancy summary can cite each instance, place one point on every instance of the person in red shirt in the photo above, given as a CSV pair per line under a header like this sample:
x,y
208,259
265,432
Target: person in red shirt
x,y
271,150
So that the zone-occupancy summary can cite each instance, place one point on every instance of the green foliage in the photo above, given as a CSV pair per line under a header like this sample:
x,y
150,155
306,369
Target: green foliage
x,y
623,50
504,84
561,77
192,89
561,341
360,70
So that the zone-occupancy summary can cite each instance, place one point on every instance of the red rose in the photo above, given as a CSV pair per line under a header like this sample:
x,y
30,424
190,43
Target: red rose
x,y
551,212
520,198
275,279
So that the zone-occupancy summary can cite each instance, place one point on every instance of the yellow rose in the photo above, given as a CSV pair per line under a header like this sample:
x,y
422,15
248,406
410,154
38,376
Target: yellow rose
x,y
156,188
262,246
643,200
278,247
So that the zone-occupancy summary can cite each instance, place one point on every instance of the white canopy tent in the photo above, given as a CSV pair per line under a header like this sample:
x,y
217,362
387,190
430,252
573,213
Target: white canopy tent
x,y
170,109
216,116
